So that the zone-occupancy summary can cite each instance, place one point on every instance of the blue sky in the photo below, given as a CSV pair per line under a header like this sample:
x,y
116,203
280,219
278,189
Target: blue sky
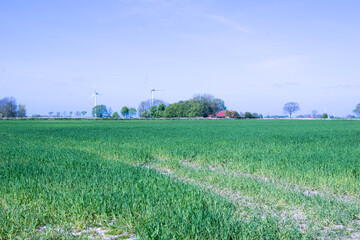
x,y
255,55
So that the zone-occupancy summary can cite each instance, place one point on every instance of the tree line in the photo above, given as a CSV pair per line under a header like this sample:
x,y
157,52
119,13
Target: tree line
x,y
204,105
198,106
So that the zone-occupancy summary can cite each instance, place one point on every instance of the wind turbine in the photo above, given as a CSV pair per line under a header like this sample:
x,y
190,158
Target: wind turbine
x,y
94,95
152,90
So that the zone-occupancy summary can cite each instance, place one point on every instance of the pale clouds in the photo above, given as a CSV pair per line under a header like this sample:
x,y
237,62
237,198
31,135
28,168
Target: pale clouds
x,y
342,86
227,22
282,65
285,84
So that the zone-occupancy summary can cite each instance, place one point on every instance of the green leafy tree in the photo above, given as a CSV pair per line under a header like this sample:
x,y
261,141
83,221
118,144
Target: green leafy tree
x,y
325,115
83,113
196,109
357,110
248,115
145,114
115,115
170,111
210,105
132,112
236,115
99,111
255,115
229,114
125,111
161,108
21,111
291,107
153,111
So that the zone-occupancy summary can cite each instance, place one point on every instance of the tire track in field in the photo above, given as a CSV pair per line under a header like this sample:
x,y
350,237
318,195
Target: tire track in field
x,y
244,203
307,191
353,226
294,216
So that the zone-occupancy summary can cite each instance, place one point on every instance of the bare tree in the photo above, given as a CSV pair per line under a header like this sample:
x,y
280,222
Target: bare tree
x,y
291,107
8,107
147,104
110,112
314,113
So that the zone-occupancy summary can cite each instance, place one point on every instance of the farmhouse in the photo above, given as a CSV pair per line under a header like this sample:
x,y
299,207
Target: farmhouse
x,y
222,114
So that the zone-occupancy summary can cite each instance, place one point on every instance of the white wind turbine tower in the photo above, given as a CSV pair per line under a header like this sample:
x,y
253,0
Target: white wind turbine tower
x,y
94,95
152,90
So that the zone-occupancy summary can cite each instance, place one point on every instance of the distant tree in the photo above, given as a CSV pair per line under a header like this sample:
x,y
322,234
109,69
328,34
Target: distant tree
x,y
51,113
21,111
115,115
357,110
196,109
70,113
110,112
314,113
291,107
8,107
153,111
132,112
232,114
64,114
248,115
171,111
145,114
236,115
83,113
229,114
58,114
99,111
325,115
255,115
147,104
210,105
218,105
161,108
77,114
125,111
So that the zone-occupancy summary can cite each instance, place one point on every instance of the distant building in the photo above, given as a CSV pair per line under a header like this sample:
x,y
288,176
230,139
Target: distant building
x,y
221,114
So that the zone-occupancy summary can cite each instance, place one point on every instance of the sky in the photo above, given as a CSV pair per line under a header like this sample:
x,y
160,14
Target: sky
x,y
255,55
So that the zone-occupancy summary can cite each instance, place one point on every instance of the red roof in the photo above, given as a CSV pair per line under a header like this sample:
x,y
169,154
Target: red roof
x,y
222,113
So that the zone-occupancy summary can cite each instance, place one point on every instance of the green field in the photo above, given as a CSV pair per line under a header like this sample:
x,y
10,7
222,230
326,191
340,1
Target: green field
x,y
180,179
